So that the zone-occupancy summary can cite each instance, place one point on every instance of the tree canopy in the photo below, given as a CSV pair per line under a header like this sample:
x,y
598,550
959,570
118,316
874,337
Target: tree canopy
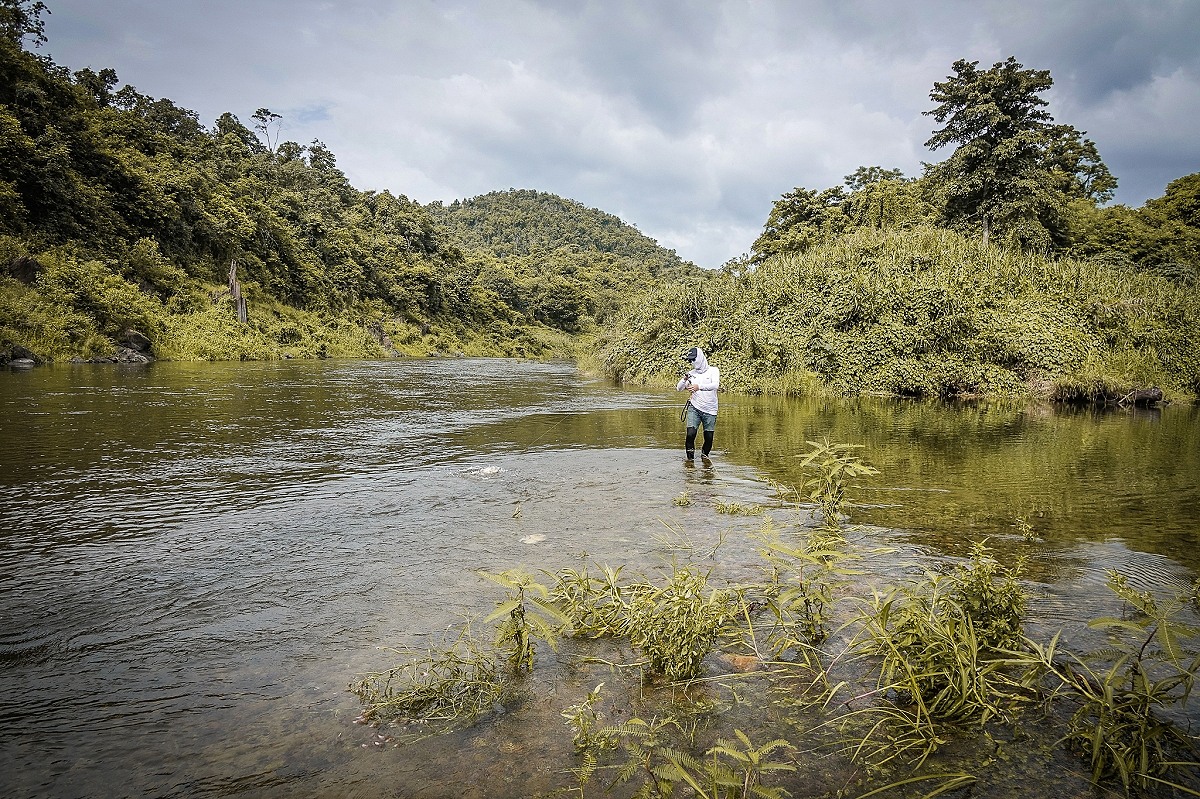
x,y
93,172
1015,176
1013,169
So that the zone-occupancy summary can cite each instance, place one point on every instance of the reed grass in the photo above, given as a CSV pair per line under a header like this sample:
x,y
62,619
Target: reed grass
x,y
921,312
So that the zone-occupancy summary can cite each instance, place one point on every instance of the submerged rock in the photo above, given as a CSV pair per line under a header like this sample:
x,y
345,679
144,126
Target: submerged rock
x,y
742,663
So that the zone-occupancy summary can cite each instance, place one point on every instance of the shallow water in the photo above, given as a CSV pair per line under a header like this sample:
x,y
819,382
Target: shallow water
x,y
199,557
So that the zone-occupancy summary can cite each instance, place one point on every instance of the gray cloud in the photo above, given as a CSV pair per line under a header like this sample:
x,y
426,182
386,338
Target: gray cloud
x,y
686,118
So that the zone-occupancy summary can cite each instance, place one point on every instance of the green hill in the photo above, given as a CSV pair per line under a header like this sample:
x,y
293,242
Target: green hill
x,y
997,272
922,312
563,263
124,219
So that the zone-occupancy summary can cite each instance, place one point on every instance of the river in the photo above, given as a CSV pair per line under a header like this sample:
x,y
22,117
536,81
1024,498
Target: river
x,y
198,558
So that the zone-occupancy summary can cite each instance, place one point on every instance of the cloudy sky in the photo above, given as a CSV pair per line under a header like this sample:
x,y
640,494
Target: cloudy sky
x,y
687,119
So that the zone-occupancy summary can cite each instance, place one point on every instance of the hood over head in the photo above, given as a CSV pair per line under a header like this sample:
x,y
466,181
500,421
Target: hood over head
x,y
696,356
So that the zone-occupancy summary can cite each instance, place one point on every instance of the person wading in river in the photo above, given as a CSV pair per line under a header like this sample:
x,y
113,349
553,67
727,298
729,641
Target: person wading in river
x,y
702,381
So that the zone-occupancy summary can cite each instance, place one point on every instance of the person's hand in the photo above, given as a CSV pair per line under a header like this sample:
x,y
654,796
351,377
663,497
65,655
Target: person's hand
x,y
692,387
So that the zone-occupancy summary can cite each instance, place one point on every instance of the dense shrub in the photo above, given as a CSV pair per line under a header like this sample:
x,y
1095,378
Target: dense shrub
x,y
921,312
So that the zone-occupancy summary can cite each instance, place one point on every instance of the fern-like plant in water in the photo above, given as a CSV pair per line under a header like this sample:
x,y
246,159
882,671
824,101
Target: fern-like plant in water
x,y
526,616
733,769
1118,725
648,751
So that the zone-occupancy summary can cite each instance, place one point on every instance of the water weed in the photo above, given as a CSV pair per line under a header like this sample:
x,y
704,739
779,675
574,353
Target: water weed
x,y
1121,691
452,685
585,721
834,465
526,616
738,509
595,606
800,594
675,625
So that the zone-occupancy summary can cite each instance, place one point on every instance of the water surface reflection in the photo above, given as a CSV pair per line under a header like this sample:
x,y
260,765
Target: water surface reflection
x,y
199,557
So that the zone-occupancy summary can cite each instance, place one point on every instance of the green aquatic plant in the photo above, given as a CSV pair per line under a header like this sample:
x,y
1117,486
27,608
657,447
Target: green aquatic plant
x,y
658,760
738,509
526,616
677,538
939,645
584,719
595,606
675,625
647,748
835,465
1121,691
991,595
451,685
803,578
784,492
682,500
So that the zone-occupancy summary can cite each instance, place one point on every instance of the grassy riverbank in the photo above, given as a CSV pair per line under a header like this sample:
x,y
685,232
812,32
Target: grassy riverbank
x,y
921,312
82,308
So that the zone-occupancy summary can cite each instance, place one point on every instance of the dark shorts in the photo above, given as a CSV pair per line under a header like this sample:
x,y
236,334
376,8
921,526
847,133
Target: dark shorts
x,y
695,418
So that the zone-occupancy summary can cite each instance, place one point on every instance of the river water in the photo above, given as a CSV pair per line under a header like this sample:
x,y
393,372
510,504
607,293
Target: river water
x,y
198,558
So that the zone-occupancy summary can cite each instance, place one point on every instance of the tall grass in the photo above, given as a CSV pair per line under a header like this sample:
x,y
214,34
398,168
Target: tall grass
x,y
922,312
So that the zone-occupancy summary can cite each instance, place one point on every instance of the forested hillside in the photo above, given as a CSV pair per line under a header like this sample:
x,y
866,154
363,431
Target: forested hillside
x,y
999,271
564,263
125,221
130,229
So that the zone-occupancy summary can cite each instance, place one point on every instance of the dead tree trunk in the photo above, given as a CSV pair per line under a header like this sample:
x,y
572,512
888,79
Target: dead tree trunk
x,y
235,290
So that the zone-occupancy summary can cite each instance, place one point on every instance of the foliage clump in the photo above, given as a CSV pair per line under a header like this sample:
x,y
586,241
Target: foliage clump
x,y
676,624
457,683
1122,692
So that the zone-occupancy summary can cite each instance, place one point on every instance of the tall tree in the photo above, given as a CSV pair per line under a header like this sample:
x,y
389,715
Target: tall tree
x,y
1014,170
997,177
799,219
21,18
866,176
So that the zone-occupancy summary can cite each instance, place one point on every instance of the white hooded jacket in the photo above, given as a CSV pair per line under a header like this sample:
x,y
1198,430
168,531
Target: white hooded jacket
x,y
708,378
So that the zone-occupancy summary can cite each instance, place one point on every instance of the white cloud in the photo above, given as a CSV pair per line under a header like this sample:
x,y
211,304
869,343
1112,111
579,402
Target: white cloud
x,y
686,118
